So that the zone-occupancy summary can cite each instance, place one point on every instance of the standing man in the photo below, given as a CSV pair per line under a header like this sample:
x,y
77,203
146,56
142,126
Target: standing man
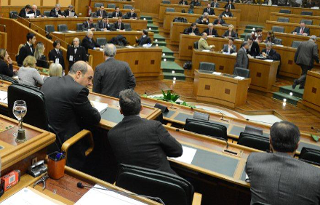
x,y
305,56
76,53
242,60
145,39
88,42
203,44
27,49
278,178
112,76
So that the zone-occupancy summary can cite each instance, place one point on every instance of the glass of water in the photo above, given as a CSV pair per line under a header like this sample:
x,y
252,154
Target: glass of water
x,y
19,111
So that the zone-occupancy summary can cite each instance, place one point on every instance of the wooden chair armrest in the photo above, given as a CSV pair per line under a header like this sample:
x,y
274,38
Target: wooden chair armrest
x,y
197,197
83,133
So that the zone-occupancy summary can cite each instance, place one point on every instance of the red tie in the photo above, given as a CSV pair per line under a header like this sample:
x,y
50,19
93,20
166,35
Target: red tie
x,y
301,31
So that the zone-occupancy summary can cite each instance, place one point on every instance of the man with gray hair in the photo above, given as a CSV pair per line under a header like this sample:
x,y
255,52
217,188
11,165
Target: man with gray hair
x,y
69,12
141,142
242,59
69,108
35,11
305,56
76,52
88,42
112,76
56,11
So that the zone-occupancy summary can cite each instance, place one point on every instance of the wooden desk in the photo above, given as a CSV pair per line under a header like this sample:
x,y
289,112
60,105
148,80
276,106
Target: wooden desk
x,y
123,11
262,73
67,38
144,62
177,29
311,97
221,89
5,10
289,27
120,4
3,40
294,18
169,16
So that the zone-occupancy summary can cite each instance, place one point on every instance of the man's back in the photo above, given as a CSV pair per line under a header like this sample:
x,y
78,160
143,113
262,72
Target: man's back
x,y
306,52
279,179
113,76
144,143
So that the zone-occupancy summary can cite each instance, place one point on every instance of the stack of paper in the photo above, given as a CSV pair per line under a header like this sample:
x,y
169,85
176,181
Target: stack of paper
x,y
99,106
3,97
187,155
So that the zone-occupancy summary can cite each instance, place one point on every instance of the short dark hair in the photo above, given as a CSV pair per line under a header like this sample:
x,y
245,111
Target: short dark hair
x,y
232,39
28,6
284,136
250,38
145,32
130,102
193,24
55,43
244,43
30,36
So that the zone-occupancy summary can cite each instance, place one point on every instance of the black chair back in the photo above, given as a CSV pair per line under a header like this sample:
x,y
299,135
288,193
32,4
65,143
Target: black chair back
x,y
62,28
9,79
113,6
127,6
171,189
127,26
254,141
13,14
49,28
306,13
166,2
206,128
98,5
101,41
278,41
310,155
242,72
79,27
307,21
253,130
207,67
285,11
169,9
46,13
195,45
279,29
283,19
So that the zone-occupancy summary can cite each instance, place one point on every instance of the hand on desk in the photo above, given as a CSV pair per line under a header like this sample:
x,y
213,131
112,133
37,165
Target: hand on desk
x,y
294,33
249,56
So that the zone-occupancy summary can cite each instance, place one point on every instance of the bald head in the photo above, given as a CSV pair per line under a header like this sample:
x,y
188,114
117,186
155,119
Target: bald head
x,y
89,34
82,73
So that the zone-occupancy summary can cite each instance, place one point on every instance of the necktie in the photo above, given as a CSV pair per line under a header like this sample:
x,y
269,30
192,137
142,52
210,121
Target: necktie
x,y
103,26
210,32
229,6
268,52
120,26
75,50
301,30
101,13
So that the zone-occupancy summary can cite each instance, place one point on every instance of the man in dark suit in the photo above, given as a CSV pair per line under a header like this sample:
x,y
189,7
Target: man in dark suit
x,y
27,49
148,148
56,11
209,10
35,11
88,24
112,76
145,39
76,52
254,49
302,30
56,54
211,31
269,53
305,56
103,24
192,30
88,42
131,14
70,12
69,108
229,5
117,13
230,47
215,4
278,178
101,13
119,25
242,59
183,2
24,11
219,21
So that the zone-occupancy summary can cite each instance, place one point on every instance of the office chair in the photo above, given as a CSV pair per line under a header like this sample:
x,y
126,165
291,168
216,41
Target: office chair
x,y
62,28
127,6
201,116
101,41
109,14
195,45
278,41
166,2
295,44
9,79
207,67
282,19
169,9
242,72
279,29
253,130
113,6
127,27
306,13
98,5
310,155
307,22
285,11
13,14
254,141
206,128
171,189
49,28
46,13
79,27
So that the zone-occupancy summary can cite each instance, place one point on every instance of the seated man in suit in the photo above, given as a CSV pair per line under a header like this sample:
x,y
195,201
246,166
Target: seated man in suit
x,y
279,178
70,12
112,75
192,30
230,33
131,14
226,13
204,19
88,24
229,5
27,49
119,25
254,49
88,42
302,30
56,11
195,3
211,31
219,21
269,53
215,4
76,52
208,10
148,148
242,59
69,111
183,2
35,11
203,44
145,39
101,13
117,13
104,25
24,11
230,47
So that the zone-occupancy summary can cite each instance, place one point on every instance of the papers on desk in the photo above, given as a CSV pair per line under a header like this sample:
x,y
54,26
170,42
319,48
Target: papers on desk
x,y
3,97
57,32
71,31
98,196
315,7
239,78
187,155
27,196
206,50
129,47
268,60
99,106
216,73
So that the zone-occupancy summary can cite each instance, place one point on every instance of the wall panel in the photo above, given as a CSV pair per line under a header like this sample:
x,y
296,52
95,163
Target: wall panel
x,y
49,2
24,2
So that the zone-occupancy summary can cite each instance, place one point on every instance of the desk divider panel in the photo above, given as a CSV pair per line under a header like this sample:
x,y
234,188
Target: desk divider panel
x,y
112,114
169,114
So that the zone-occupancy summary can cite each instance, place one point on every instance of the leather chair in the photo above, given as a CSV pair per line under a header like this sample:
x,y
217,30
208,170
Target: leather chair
x,y
201,116
307,22
285,11
9,79
79,27
306,13
310,155
62,28
101,41
171,189
206,128
278,41
279,29
13,14
46,13
253,130
254,141
169,9
295,44
109,14
98,5
282,19
166,2
243,72
127,27
207,67
195,45
127,6
113,6
49,28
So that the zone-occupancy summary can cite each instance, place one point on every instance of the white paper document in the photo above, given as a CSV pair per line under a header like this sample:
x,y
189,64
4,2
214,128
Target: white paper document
x,y
216,73
239,78
268,60
3,97
187,155
98,196
27,196
99,106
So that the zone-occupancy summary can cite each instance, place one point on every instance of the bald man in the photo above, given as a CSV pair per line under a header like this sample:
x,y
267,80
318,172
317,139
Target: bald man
x,y
88,42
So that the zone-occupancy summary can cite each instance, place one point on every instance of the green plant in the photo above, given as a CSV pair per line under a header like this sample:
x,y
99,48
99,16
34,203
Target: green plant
x,y
169,96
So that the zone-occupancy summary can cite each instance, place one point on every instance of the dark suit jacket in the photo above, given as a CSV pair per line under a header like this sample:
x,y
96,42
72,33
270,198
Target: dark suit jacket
x,y
271,55
231,5
183,2
195,3
144,143
189,30
233,50
113,76
129,15
86,25
24,52
307,53
217,21
306,30
277,179
202,21
116,26
226,14
69,112
213,32
53,55
242,60
37,13
233,34
210,12
143,40
215,5
102,26
5,69
66,12
53,13
255,49
114,14
87,44
42,62
104,13
80,55
23,13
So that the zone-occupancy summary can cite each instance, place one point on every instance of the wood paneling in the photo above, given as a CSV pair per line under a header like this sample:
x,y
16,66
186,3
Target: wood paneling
x,y
311,95
65,3
49,2
4,2
3,40
294,18
23,2
289,27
